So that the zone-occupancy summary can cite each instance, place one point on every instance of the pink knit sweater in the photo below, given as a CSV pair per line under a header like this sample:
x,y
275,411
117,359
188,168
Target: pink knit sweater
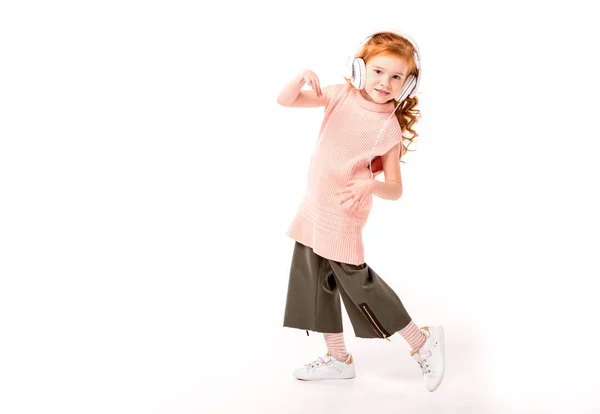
x,y
349,132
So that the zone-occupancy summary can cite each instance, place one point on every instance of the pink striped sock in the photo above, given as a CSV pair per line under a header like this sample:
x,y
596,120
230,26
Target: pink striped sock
x,y
413,335
336,346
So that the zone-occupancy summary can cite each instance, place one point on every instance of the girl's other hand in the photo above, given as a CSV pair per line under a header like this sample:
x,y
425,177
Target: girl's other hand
x,y
358,191
311,79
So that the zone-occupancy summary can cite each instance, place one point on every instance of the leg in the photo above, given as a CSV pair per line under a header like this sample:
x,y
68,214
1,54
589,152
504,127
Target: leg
x,y
336,346
313,301
373,307
376,311
413,335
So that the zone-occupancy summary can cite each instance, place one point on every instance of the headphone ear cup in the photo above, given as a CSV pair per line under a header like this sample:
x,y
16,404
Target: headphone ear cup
x,y
358,73
408,87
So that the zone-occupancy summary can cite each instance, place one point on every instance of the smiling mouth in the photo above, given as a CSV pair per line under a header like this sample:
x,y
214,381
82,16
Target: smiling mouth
x,y
382,92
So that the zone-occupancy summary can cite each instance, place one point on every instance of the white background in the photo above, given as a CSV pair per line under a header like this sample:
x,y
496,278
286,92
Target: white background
x,y
147,178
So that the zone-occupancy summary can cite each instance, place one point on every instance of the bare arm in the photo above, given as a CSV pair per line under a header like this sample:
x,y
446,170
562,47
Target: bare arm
x,y
292,95
391,189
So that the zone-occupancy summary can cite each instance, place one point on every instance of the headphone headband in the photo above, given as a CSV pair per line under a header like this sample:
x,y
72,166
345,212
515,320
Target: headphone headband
x,y
397,33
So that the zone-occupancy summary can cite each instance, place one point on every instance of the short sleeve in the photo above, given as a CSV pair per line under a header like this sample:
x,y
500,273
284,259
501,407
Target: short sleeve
x,y
391,136
333,95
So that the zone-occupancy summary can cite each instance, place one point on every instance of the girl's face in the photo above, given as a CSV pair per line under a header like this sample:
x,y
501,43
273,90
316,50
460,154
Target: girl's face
x,y
385,77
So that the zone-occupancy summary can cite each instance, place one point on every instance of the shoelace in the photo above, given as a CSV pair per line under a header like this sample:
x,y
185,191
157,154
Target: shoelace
x,y
424,366
317,362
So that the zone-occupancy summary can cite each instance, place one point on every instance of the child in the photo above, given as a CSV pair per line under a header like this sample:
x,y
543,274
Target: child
x,y
328,258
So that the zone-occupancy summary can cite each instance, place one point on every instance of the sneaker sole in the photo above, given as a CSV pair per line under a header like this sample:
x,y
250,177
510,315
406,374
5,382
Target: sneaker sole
x,y
323,379
443,348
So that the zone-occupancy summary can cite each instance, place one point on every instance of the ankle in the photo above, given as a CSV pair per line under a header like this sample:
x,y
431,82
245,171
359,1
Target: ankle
x,y
340,356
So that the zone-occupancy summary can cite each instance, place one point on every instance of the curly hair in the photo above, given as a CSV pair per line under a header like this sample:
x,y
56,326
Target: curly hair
x,y
387,43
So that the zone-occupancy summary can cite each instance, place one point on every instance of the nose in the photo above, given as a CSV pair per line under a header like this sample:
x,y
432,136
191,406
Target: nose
x,y
385,83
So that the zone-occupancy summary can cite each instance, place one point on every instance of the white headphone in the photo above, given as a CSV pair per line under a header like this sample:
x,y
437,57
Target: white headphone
x,y
358,71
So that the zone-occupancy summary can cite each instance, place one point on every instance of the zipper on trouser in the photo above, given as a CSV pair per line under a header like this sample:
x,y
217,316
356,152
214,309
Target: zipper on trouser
x,y
371,316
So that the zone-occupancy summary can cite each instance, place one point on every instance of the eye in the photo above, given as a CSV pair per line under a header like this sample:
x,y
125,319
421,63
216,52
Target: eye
x,y
377,71
397,77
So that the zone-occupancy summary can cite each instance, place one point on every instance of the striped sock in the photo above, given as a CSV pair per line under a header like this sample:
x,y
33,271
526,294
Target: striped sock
x,y
413,335
336,346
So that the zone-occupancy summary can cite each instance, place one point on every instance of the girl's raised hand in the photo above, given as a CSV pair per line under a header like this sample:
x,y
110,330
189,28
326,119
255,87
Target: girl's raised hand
x,y
311,79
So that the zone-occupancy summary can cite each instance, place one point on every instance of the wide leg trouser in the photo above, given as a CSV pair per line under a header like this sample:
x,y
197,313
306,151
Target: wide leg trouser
x,y
313,298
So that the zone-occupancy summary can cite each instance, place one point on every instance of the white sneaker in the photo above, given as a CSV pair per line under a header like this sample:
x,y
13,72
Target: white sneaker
x,y
326,367
431,357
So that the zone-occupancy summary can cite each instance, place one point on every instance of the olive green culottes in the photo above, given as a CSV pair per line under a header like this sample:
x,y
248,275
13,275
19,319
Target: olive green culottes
x,y
314,290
